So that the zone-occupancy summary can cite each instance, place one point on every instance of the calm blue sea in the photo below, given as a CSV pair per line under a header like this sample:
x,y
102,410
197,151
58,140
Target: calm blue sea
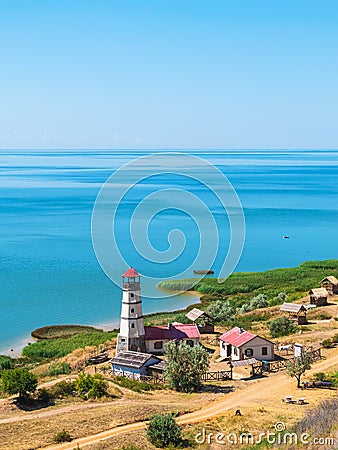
x,y
49,273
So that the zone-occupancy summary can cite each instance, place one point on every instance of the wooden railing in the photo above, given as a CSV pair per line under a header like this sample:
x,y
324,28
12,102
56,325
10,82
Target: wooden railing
x,y
275,366
219,375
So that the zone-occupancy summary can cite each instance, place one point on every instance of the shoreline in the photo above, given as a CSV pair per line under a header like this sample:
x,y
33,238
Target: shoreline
x,y
15,350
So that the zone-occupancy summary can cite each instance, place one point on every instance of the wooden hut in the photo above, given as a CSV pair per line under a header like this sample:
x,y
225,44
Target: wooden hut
x,y
318,296
204,322
330,284
295,312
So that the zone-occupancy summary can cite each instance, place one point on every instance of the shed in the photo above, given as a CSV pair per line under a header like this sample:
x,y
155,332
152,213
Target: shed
x,y
330,283
203,320
296,312
318,296
132,364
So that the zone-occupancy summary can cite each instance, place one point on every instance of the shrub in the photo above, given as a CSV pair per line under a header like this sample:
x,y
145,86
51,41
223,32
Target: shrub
x,y
282,327
319,420
327,343
18,381
319,376
6,362
88,386
163,431
63,389
221,310
63,436
323,316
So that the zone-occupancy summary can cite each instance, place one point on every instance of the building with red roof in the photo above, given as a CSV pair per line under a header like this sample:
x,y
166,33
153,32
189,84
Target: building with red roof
x,y
157,336
238,344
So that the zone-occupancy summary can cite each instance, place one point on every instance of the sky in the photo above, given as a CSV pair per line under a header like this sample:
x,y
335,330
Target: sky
x,y
169,74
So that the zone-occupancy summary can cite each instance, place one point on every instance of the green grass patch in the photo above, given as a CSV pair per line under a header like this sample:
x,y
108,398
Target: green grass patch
x,y
57,348
62,331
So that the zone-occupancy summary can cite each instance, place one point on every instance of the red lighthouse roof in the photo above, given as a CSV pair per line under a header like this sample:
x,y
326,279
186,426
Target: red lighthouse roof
x,y
131,273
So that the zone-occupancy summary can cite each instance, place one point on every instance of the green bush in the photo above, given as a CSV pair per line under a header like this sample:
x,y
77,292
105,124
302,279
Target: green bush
x,y
88,386
163,431
221,310
63,436
6,362
327,343
57,348
282,327
63,389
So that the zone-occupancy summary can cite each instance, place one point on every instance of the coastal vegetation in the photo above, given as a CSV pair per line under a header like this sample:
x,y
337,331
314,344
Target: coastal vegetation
x,y
57,348
295,281
5,362
62,331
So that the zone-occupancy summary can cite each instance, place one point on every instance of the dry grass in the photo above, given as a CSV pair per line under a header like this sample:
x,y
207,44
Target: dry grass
x,y
35,433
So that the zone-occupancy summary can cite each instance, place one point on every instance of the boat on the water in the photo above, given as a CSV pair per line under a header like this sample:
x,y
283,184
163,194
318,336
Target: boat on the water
x,y
204,272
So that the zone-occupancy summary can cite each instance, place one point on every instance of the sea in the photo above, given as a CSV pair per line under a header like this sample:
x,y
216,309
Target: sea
x,y
49,270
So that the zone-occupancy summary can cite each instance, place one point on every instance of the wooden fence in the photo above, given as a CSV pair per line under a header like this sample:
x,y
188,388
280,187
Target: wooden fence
x,y
219,375
275,366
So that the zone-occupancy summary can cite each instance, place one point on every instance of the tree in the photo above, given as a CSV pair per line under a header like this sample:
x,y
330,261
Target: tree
x,y
19,381
163,431
186,366
260,301
221,310
282,327
5,362
297,367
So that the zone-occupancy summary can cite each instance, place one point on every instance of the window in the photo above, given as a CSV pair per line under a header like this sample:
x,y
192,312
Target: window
x,y
123,340
133,325
248,352
131,294
190,342
264,351
158,345
235,351
132,310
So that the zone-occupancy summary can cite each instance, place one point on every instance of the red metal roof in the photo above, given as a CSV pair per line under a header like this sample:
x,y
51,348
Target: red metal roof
x,y
237,337
173,331
131,273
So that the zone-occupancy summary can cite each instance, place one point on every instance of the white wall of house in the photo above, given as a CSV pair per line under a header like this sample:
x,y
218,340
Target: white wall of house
x,y
257,348
157,346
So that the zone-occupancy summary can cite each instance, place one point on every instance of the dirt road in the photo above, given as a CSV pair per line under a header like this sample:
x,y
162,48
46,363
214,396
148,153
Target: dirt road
x,y
264,391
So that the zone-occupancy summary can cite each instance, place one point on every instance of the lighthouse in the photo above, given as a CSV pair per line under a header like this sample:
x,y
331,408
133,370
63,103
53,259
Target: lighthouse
x,y
132,334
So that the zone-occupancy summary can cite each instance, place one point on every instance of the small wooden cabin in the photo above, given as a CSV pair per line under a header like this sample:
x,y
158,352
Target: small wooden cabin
x,y
318,296
295,312
204,322
330,284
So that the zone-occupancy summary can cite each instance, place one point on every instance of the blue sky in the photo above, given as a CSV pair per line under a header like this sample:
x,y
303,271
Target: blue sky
x,y
168,74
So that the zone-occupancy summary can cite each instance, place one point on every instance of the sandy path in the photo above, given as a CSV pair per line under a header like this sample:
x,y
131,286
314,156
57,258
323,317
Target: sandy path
x,y
260,392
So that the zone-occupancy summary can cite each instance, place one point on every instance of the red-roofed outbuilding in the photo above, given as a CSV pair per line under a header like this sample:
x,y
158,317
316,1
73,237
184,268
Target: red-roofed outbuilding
x,y
238,344
157,336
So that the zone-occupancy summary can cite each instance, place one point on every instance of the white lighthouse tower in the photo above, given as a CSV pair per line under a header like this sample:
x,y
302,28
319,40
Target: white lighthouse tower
x,y
132,335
